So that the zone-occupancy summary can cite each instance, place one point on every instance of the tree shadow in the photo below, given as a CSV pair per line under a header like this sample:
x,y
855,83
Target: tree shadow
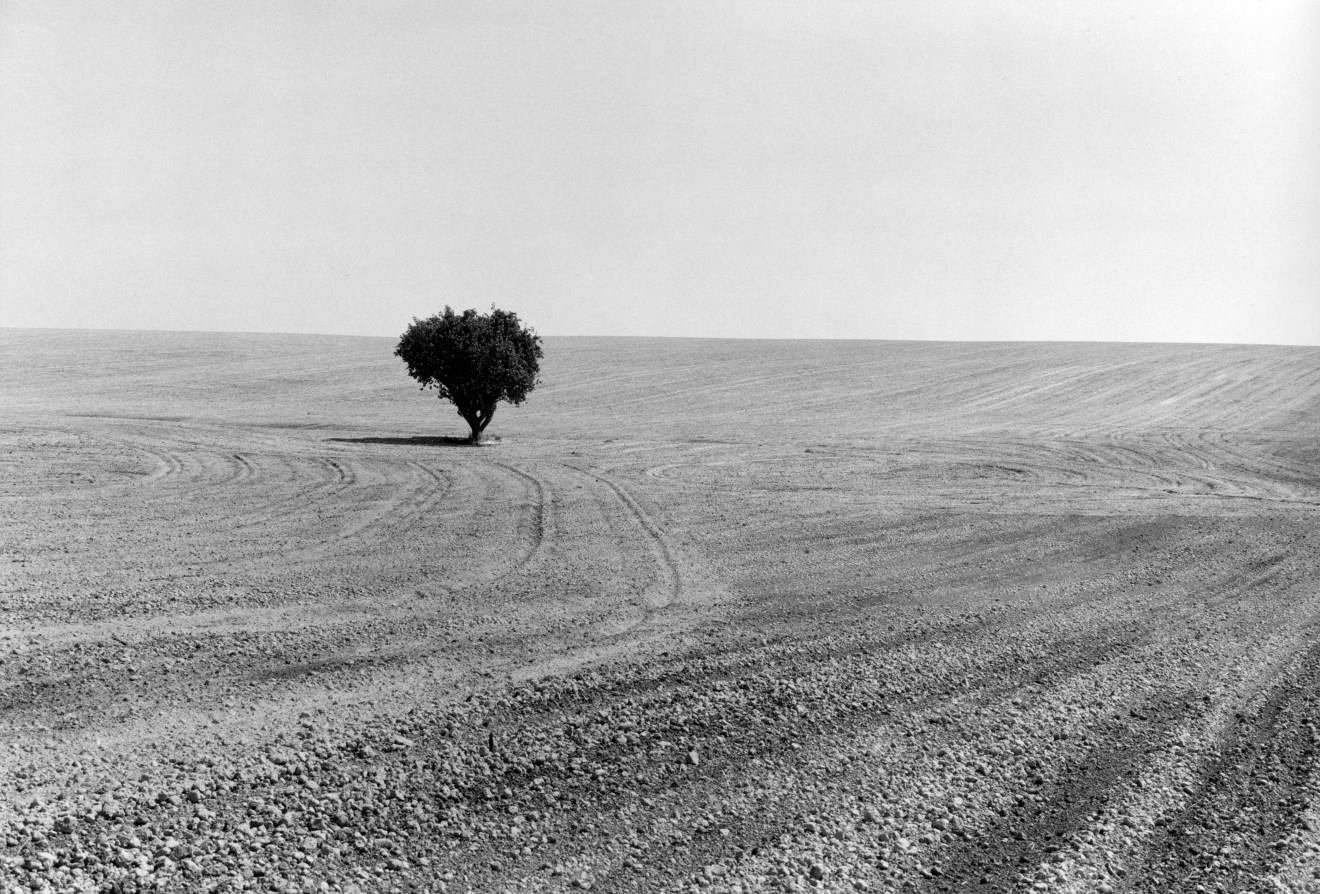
x,y
414,441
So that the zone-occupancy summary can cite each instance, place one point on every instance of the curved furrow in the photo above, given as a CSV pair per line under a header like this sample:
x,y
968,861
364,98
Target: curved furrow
x,y
407,503
467,516
247,471
1163,465
169,465
185,467
534,521
1247,459
330,478
669,577
76,463
1220,466
344,527
662,471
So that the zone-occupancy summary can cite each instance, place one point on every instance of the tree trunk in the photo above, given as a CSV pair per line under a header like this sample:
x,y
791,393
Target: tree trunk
x,y
477,422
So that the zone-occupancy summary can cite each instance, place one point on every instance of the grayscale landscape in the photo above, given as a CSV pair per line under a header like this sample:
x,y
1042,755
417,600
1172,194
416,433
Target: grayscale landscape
x,y
729,616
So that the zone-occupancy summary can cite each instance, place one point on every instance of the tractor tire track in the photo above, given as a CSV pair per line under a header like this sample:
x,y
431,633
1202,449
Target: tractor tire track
x,y
536,520
669,577
428,488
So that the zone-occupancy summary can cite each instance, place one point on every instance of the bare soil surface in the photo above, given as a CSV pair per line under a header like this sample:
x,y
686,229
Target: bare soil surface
x,y
724,616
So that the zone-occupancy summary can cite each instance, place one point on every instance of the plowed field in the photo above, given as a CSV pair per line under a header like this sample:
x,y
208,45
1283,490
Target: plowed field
x,y
734,616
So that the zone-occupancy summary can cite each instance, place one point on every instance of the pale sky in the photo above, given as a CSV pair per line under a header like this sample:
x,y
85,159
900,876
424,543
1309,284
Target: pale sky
x,y
1134,171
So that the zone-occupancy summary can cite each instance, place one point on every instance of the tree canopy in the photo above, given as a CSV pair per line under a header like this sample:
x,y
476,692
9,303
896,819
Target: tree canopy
x,y
473,360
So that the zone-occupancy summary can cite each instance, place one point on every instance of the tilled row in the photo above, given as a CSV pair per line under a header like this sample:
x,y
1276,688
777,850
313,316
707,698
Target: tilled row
x,y
848,757
1250,798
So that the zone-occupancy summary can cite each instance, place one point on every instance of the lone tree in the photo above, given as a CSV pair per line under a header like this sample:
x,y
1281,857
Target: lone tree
x,y
475,360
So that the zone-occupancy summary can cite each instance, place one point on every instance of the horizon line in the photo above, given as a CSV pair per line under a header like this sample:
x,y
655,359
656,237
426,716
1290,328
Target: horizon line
x,y
985,341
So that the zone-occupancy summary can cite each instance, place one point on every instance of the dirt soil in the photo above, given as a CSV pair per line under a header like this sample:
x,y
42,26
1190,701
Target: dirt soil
x,y
710,615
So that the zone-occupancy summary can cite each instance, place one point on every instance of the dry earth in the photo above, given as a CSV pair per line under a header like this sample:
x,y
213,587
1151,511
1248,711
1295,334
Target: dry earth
x,y
723,616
